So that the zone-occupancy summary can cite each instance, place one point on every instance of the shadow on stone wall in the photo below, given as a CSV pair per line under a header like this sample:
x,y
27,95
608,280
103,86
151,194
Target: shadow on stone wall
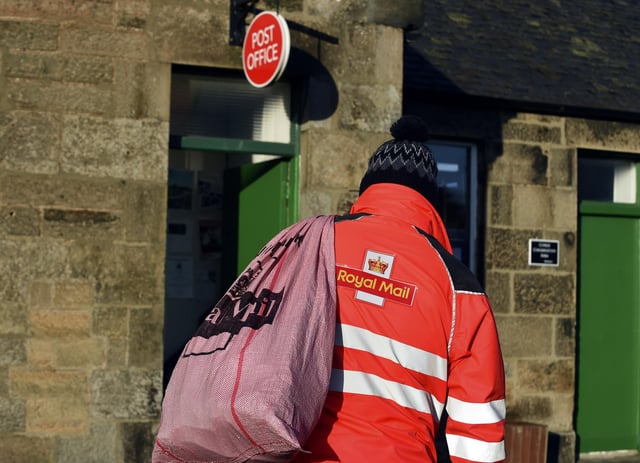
x,y
320,93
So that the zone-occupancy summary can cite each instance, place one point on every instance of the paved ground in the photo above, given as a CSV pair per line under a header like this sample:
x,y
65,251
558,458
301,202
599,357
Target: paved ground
x,y
611,458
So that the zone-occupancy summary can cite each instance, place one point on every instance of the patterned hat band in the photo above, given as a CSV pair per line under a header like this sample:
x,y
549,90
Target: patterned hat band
x,y
405,160
414,157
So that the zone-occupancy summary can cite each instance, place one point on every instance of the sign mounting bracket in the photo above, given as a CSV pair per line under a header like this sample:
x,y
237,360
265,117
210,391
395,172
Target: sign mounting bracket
x,y
238,11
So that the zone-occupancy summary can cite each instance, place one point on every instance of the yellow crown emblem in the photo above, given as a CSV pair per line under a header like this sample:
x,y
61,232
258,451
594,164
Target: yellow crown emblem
x,y
378,265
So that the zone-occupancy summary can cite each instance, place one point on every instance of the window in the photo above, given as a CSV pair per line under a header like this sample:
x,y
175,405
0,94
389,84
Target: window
x,y
457,179
606,177
228,107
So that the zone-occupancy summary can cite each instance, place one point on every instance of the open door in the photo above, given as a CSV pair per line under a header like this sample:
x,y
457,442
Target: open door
x,y
219,217
257,207
233,154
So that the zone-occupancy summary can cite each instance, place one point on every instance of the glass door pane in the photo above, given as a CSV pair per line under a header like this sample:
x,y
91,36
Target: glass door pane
x,y
457,178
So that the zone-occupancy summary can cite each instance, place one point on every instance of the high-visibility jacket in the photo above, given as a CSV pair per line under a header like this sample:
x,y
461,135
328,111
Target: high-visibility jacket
x,y
415,334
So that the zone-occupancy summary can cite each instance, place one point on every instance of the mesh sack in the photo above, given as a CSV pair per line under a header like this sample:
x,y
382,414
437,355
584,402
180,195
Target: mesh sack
x,y
251,382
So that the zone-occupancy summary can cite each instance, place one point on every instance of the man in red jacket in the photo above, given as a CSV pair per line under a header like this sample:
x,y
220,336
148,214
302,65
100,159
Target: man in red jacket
x,y
415,333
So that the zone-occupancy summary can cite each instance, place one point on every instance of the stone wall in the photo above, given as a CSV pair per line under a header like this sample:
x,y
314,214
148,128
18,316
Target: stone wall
x,y
84,107
532,193
83,154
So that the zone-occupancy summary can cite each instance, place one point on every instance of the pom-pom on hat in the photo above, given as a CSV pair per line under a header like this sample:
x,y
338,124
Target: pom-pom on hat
x,y
405,160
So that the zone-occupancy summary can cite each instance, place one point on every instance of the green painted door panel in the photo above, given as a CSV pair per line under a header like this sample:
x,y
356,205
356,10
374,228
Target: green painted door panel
x,y
256,208
608,375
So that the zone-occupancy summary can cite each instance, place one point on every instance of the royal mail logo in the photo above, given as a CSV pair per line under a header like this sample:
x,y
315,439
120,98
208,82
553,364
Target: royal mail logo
x,y
374,285
378,265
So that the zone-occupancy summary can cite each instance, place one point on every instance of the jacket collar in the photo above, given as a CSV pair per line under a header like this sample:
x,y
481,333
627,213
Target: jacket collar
x,y
403,203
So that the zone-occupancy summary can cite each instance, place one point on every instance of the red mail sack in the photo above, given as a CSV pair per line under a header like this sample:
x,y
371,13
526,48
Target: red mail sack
x,y
251,383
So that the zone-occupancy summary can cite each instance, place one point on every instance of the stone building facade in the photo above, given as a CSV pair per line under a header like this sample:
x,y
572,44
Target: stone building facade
x,y
85,92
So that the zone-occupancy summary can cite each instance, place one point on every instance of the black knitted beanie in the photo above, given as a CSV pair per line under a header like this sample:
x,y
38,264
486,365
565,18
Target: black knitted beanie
x,y
405,160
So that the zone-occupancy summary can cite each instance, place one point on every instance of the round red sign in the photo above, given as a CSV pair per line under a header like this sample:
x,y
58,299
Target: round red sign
x,y
265,51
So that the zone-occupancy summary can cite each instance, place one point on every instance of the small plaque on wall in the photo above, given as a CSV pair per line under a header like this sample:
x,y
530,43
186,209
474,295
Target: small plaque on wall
x,y
544,252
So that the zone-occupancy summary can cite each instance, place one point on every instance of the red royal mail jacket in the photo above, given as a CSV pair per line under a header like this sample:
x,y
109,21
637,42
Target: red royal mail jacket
x,y
415,335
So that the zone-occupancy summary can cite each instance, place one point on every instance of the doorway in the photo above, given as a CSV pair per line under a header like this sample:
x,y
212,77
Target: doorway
x,y
232,185
608,339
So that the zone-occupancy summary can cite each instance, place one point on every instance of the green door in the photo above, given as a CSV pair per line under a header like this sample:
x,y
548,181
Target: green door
x,y
257,206
608,375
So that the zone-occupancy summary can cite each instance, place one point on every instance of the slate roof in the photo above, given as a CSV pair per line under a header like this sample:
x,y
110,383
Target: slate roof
x,y
563,56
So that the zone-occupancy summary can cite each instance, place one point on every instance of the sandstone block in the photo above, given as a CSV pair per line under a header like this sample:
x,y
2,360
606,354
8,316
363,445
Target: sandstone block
x,y
59,415
73,294
565,337
41,352
368,56
59,68
40,295
120,43
501,200
339,160
4,381
541,376
60,323
29,142
531,132
13,318
19,221
499,291
40,95
80,353
27,260
90,10
508,249
62,191
544,293
370,108
537,341
13,415
520,164
531,408
145,342
142,90
19,448
125,274
563,167
126,394
564,208
314,203
112,322
196,38
27,35
562,413
133,13
117,349
31,383
604,135
12,350
121,148
532,207
97,446
144,212
551,208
